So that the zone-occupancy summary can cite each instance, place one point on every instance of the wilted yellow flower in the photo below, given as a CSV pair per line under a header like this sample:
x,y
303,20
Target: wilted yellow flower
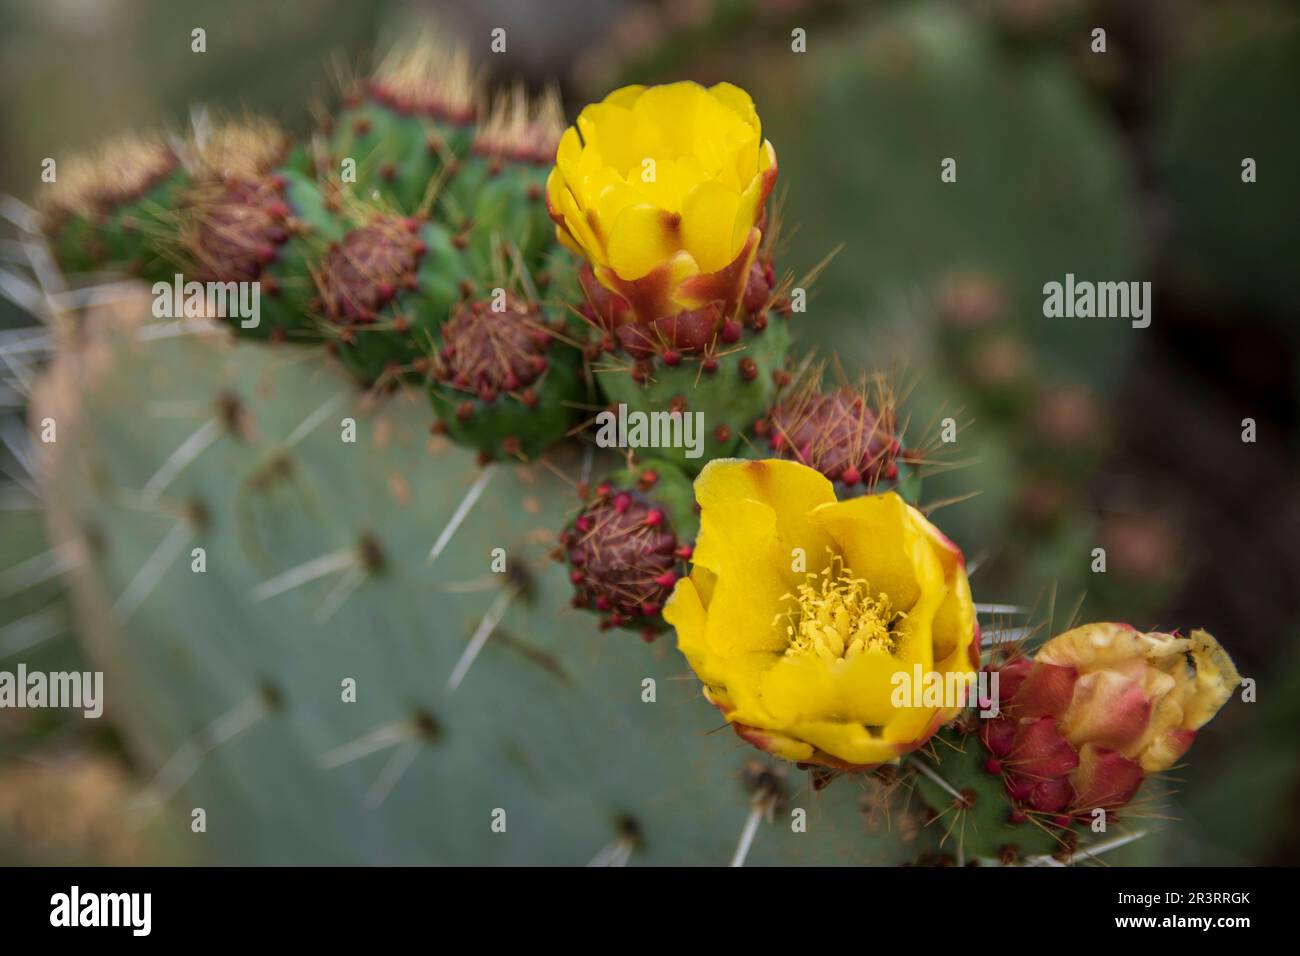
x,y
801,611
1098,708
661,188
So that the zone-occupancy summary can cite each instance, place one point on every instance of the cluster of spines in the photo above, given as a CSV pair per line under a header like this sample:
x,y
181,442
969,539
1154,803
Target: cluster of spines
x,y
362,275
521,128
237,231
847,432
503,379
490,353
245,148
249,214
423,78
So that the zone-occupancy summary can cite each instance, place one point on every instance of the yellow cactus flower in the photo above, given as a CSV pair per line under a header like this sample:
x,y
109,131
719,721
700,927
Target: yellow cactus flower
x,y
661,189
801,612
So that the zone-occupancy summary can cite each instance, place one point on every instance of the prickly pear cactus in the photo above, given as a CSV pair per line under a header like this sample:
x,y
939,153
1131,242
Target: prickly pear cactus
x,y
231,680
322,611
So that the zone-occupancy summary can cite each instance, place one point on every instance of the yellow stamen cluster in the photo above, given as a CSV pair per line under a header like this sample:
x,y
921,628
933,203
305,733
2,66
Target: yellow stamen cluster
x,y
836,616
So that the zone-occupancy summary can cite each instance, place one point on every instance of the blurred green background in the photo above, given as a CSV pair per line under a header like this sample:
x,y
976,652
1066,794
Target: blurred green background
x,y
1073,434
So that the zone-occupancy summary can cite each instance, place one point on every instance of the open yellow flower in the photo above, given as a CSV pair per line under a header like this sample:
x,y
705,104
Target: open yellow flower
x,y
661,188
801,610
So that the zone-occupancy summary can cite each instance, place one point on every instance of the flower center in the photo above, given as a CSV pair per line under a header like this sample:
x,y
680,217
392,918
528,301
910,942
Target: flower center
x,y
836,617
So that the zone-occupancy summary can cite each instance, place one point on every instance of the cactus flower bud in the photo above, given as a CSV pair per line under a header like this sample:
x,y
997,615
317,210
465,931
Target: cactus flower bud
x,y
801,611
409,122
386,289
1100,707
628,546
661,189
102,210
838,433
260,228
500,385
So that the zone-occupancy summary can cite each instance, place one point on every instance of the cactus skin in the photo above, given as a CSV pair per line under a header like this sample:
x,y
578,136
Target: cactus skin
x,y
397,155
549,724
407,126
386,289
732,396
404,133
496,199
984,823
267,229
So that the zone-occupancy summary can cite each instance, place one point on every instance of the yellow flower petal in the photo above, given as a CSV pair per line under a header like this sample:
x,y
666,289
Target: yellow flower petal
x,y
788,488
568,154
751,580
665,181
577,225
896,558
685,612
739,102
709,223
626,95
851,743
641,238
1216,678
611,132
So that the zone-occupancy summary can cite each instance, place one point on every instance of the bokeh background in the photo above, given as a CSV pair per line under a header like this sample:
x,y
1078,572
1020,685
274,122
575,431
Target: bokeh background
x,y
1073,433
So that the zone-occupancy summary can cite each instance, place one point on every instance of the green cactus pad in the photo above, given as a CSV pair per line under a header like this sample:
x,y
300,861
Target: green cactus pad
x,y
405,127
496,201
579,744
398,156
